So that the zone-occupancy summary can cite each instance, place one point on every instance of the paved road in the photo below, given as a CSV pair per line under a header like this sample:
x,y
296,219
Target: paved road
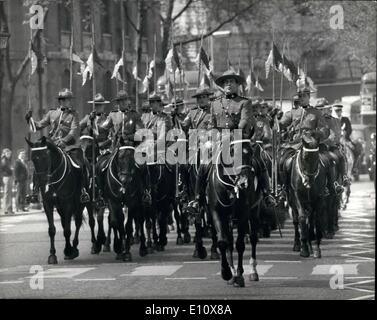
x,y
173,274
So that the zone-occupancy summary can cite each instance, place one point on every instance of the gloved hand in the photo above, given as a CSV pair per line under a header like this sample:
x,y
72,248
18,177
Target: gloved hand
x,y
92,115
28,115
61,144
274,112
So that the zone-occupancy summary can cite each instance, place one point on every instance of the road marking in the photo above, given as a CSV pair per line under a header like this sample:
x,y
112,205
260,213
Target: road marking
x,y
199,262
153,271
262,269
11,282
187,278
278,278
359,277
281,261
94,279
62,272
324,269
363,297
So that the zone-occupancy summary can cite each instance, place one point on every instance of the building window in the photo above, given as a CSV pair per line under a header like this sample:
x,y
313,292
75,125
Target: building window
x,y
65,79
105,17
85,15
65,15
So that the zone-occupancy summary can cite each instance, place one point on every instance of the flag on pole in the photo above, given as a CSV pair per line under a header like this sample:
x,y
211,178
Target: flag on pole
x,y
145,85
88,71
116,68
134,73
33,60
177,58
205,82
152,65
258,85
274,59
249,83
168,61
204,58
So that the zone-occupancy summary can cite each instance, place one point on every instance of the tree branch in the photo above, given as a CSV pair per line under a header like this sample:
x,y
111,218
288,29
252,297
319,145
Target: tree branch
x,y
198,38
183,10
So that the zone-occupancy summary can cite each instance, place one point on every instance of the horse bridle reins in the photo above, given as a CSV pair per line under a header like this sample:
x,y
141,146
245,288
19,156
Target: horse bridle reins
x,y
49,175
304,175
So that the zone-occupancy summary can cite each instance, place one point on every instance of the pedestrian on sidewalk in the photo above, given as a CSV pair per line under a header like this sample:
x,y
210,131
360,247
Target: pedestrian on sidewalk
x,y
7,174
21,178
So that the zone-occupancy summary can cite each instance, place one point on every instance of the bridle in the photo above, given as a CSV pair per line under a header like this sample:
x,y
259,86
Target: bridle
x,y
305,176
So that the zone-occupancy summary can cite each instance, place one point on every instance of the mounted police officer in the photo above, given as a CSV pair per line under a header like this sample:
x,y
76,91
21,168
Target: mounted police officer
x,y
65,132
306,118
231,111
334,151
93,132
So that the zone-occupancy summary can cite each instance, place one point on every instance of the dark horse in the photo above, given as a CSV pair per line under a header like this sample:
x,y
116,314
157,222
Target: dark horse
x,y
123,187
235,196
59,182
306,194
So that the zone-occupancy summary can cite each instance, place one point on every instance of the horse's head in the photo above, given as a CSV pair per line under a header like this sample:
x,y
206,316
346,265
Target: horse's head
x,y
309,153
242,153
127,166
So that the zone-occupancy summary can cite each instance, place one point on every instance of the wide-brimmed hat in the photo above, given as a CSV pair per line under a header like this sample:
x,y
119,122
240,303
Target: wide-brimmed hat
x,y
154,97
99,99
303,86
229,74
337,105
65,94
202,92
121,95
322,103
177,103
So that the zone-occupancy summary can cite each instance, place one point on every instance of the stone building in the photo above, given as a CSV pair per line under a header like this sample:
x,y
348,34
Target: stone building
x,y
50,77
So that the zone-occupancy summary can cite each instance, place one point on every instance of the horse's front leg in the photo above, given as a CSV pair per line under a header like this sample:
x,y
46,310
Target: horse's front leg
x,y
253,227
139,220
221,226
106,246
239,280
92,225
78,223
49,210
304,230
178,220
69,252
318,223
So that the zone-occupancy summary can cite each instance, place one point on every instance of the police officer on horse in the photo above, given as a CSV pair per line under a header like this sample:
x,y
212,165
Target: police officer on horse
x,y
65,133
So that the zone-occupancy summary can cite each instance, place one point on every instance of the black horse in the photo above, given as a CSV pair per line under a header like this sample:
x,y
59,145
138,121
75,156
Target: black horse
x,y
59,182
235,197
123,187
306,196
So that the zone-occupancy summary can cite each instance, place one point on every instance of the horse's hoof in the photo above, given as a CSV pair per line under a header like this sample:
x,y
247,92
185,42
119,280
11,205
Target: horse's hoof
x,y
74,254
119,256
150,250
231,281
179,241
253,277
143,252
226,273
304,252
187,238
317,253
202,253
96,248
52,259
311,250
127,257
296,247
239,281
195,254
106,248
215,255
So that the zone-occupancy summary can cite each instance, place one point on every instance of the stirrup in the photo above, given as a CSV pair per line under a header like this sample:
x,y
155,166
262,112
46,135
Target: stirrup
x,y
270,200
338,188
346,181
84,198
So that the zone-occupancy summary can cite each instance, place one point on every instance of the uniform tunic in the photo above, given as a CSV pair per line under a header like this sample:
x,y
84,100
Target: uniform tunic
x,y
65,126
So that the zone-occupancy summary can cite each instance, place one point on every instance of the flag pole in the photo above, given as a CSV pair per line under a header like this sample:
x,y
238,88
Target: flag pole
x,y
146,75
123,43
93,106
71,60
200,60
180,74
281,79
155,65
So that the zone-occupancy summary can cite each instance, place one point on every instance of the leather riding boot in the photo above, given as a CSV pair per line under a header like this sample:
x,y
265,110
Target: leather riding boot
x,y
147,197
199,188
332,184
84,197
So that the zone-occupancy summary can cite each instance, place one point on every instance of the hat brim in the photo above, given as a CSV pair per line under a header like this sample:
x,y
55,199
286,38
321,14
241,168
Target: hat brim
x,y
220,80
121,98
71,97
98,102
